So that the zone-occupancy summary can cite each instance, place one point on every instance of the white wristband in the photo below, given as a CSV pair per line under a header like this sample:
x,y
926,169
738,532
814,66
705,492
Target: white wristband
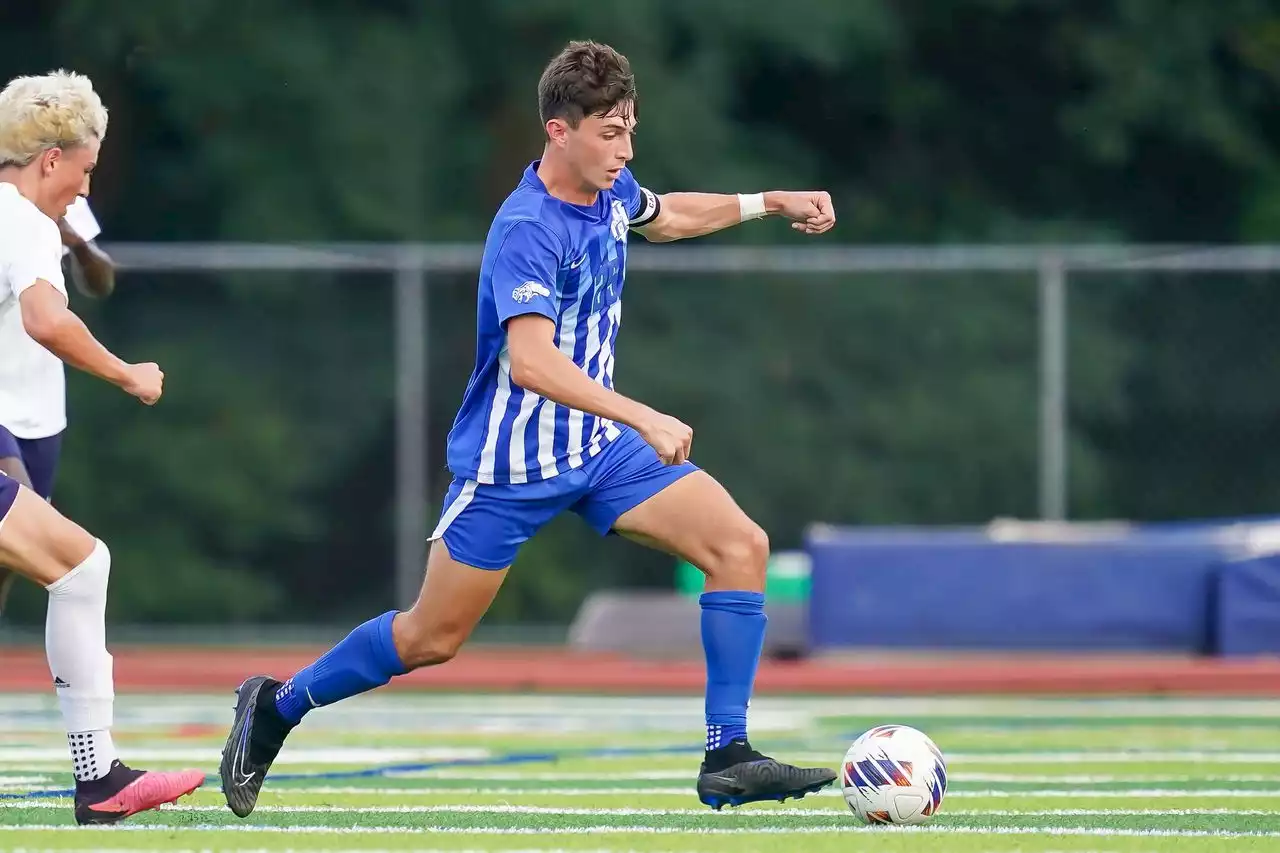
x,y
751,206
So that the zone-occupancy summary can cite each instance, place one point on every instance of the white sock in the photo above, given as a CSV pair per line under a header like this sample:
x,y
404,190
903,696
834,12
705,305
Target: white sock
x,y
76,643
91,754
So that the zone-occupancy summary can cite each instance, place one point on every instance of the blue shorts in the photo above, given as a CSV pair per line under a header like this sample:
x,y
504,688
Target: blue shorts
x,y
484,525
8,494
39,456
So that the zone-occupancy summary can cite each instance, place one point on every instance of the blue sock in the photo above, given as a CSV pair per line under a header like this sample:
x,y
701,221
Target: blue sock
x,y
732,637
366,658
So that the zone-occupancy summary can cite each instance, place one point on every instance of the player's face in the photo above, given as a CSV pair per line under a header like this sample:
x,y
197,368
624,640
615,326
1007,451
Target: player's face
x,y
66,172
601,146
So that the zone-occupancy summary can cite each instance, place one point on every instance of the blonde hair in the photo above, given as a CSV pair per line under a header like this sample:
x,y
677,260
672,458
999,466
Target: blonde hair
x,y
57,110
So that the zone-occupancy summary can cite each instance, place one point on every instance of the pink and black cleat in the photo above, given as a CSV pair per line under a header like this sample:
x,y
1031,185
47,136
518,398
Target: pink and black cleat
x,y
124,792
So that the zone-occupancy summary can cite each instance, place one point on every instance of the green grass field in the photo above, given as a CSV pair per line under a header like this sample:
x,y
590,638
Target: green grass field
x,y
539,773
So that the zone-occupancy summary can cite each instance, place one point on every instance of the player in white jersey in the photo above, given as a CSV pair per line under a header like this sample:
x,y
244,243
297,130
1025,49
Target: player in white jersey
x,y
51,130
32,384
542,431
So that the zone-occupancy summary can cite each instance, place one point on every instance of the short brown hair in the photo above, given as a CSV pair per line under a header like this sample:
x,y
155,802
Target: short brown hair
x,y
585,79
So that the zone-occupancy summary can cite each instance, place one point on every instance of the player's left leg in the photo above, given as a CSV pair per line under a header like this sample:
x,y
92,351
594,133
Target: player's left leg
x,y
481,530
43,545
684,511
12,465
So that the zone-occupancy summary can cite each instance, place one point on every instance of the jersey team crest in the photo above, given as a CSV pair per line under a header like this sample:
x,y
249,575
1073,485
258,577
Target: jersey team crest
x,y
525,292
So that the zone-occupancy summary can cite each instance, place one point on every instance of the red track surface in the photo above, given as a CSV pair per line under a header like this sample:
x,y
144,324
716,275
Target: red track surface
x,y
169,669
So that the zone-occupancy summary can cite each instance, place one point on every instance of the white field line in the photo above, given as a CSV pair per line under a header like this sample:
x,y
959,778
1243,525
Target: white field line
x,y
362,849
1076,779
1126,793
702,812
1120,793
535,776
1100,757
992,793
28,759
18,755
291,849
21,783
475,809
464,774
613,829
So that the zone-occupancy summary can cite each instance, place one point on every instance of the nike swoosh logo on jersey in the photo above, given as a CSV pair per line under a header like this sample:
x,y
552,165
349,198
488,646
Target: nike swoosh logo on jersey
x,y
578,262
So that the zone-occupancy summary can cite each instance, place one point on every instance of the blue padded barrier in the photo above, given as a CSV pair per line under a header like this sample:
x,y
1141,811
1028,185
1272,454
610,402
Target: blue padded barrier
x,y
1134,588
1247,613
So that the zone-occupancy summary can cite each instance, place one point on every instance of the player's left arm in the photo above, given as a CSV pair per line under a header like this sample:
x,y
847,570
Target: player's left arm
x,y
682,215
91,269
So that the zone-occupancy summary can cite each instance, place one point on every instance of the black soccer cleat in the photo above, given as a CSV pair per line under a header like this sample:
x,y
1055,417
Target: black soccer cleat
x,y
736,774
255,740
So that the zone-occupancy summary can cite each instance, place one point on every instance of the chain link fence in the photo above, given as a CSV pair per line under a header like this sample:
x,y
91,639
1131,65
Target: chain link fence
x,y
296,462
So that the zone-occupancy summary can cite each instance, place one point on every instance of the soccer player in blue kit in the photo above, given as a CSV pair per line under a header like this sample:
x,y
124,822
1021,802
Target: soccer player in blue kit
x,y
542,430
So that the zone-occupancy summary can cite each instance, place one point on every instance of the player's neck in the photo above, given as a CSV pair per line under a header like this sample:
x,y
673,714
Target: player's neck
x,y
25,181
563,183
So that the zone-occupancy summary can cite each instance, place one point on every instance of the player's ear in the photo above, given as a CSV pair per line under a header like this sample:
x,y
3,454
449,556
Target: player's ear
x,y
557,130
49,160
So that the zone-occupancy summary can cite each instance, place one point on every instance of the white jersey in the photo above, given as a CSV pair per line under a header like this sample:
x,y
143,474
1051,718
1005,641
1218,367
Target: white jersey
x,y
33,398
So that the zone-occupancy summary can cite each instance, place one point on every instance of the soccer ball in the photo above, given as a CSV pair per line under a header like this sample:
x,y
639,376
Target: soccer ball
x,y
894,774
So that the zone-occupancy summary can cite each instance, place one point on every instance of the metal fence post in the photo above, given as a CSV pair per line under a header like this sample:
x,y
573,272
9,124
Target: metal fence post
x,y
1053,389
411,430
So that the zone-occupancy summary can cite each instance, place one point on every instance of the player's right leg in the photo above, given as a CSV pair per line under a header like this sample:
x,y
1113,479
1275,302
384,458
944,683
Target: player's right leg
x,y
479,534
41,544
684,511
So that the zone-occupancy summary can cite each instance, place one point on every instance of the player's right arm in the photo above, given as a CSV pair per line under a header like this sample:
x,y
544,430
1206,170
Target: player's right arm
x,y
539,366
525,292
35,274
54,326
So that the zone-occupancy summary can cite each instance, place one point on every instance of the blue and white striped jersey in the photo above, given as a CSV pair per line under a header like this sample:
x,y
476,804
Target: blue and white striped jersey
x,y
566,262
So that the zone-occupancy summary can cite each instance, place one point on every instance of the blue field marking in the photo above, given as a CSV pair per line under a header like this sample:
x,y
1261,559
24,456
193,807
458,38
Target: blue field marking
x,y
40,795
389,769
496,761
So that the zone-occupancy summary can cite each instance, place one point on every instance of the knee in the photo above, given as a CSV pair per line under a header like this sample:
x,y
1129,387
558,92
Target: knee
x,y
739,559
84,578
420,644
